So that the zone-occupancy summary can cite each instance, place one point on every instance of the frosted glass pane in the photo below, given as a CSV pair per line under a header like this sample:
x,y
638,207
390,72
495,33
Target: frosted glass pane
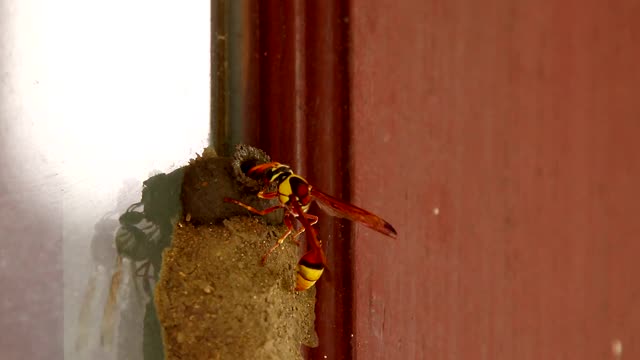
x,y
94,98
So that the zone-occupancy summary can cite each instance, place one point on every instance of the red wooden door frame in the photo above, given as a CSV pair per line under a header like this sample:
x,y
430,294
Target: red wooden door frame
x,y
297,109
516,121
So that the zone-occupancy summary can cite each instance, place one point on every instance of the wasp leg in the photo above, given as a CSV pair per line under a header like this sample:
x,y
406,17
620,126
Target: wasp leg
x,y
287,222
295,235
254,210
268,195
314,220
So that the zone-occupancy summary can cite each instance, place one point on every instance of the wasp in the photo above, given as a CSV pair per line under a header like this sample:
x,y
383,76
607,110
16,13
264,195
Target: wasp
x,y
295,195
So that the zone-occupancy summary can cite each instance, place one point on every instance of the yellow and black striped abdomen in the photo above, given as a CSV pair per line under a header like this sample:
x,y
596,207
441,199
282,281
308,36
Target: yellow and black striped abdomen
x,y
310,268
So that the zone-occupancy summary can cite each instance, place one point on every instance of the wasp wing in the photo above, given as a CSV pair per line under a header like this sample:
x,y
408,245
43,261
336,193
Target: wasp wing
x,y
336,207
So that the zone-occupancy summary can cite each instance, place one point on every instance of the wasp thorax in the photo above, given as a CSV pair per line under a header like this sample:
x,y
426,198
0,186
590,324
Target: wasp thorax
x,y
279,173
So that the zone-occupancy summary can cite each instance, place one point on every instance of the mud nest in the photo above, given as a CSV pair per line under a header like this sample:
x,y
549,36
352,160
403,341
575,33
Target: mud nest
x,y
214,299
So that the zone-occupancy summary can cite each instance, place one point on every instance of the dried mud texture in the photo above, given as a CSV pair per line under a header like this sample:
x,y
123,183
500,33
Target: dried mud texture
x,y
208,179
216,301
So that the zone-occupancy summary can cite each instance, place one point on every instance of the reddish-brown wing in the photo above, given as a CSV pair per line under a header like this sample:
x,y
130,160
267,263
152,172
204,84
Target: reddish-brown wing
x,y
336,207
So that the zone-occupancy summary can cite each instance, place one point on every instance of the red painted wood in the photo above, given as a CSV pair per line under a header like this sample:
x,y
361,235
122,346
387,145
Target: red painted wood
x,y
297,110
327,115
519,122
276,81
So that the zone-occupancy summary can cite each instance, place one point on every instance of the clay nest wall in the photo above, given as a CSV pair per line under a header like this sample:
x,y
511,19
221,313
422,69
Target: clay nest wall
x,y
214,299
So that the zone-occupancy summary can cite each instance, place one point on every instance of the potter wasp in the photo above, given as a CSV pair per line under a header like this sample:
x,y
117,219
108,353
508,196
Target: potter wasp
x,y
295,195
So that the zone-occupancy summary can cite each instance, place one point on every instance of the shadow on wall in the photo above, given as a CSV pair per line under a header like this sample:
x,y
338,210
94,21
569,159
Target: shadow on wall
x,y
126,253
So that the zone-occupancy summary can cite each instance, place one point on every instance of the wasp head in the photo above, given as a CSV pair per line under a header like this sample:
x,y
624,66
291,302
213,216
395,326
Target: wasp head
x,y
270,172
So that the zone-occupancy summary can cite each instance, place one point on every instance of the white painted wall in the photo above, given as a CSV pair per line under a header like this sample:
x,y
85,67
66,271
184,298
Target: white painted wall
x,y
93,95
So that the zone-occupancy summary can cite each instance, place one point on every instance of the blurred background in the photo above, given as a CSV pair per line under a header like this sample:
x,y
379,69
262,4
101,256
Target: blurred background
x,y
94,98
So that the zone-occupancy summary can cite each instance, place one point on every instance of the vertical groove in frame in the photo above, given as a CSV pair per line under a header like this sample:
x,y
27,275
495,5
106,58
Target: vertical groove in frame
x,y
236,49
297,110
276,83
219,117
328,109
230,68
299,87
253,74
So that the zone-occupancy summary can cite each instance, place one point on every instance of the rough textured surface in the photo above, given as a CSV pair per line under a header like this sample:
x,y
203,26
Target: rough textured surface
x,y
298,110
216,301
507,156
208,179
